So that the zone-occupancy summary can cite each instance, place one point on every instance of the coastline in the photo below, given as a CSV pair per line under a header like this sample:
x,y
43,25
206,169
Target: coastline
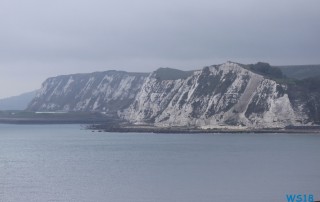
x,y
98,123
24,117
153,129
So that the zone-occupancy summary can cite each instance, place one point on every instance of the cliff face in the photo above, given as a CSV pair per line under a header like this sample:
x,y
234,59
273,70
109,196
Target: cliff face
x,y
100,91
214,96
227,95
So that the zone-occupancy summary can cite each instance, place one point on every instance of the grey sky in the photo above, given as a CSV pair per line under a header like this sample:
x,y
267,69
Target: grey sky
x,y
43,38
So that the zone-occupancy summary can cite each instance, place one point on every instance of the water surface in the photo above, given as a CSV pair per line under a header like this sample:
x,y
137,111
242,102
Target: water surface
x,y
64,163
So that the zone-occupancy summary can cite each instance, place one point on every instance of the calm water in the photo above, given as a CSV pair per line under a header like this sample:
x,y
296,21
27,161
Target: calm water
x,y
64,163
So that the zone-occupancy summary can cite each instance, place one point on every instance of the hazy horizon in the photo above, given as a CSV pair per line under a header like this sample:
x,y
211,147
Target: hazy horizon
x,y
41,39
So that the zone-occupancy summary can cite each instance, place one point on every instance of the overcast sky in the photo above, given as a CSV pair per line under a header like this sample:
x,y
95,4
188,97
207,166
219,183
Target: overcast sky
x,y
44,38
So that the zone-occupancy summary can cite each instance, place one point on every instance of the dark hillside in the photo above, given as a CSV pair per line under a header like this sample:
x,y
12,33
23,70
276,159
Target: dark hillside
x,y
300,71
307,91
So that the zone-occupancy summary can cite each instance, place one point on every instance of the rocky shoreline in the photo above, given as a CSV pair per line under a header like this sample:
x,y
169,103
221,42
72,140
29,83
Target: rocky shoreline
x,y
99,125
153,129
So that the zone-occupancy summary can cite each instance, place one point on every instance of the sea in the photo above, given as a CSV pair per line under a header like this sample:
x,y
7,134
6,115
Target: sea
x,y
69,163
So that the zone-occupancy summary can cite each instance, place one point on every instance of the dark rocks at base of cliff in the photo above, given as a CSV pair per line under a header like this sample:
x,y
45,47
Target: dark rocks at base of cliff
x,y
129,128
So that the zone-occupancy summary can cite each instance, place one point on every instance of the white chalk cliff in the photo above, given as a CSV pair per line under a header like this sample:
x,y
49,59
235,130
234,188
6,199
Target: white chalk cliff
x,y
227,95
213,97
